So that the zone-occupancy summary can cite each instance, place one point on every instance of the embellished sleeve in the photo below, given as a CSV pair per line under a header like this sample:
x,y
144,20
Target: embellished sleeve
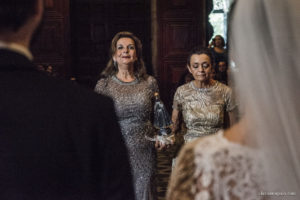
x,y
153,84
177,100
230,100
100,86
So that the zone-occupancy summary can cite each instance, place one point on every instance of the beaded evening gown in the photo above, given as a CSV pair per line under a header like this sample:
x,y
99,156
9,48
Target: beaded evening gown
x,y
134,106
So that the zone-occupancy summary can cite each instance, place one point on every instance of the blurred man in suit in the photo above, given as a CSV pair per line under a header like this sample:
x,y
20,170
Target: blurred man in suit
x,y
57,140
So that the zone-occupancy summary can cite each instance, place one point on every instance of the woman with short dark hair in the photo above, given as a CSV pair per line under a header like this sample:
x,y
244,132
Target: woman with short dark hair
x,y
258,158
203,101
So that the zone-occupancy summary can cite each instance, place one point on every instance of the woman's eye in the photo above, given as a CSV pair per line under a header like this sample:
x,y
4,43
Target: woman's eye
x,y
132,47
195,66
119,47
205,65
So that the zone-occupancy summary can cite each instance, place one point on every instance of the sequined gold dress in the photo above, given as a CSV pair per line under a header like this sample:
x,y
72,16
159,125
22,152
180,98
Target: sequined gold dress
x,y
203,108
134,106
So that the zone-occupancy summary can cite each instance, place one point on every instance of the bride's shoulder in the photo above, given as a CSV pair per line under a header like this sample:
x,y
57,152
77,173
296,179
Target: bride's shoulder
x,y
216,143
211,141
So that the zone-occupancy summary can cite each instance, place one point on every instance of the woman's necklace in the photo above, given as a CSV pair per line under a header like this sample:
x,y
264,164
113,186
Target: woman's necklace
x,y
208,87
118,80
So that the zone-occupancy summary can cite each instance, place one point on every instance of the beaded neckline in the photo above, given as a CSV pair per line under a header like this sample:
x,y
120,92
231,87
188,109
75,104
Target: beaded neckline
x,y
135,81
203,89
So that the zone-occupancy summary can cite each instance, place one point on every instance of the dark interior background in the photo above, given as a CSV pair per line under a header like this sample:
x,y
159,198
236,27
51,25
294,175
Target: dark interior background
x,y
75,36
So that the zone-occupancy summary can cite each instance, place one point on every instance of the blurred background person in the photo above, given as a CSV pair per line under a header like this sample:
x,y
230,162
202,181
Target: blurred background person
x,y
222,72
203,101
258,158
213,74
49,69
125,80
217,47
52,145
40,67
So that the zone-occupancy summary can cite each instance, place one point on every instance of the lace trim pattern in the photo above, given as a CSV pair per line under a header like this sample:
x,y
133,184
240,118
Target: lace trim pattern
x,y
214,168
225,170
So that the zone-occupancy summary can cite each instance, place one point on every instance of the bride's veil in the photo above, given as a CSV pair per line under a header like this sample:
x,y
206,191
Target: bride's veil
x,y
265,46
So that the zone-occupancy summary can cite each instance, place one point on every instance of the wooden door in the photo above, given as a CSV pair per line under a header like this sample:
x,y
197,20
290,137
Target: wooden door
x,y
94,23
182,26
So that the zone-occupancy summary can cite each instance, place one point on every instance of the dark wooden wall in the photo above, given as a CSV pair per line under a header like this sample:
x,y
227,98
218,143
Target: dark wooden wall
x,y
93,25
75,36
182,26
51,44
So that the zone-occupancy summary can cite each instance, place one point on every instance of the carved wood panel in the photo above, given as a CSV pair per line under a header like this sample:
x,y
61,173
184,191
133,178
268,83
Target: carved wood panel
x,y
172,71
95,22
182,26
51,43
178,37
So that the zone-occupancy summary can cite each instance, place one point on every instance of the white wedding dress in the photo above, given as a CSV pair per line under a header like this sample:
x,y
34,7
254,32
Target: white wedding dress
x,y
215,168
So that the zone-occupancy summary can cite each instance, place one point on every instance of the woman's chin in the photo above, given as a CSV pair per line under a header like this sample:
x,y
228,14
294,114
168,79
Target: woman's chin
x,y
201,79
126,63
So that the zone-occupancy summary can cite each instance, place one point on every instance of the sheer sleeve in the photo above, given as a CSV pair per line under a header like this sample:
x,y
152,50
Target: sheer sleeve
x,y
213,168
177,100
230,100
100,86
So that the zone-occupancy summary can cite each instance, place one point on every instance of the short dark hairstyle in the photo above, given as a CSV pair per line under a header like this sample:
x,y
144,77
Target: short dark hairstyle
x,y
198,51
14,13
